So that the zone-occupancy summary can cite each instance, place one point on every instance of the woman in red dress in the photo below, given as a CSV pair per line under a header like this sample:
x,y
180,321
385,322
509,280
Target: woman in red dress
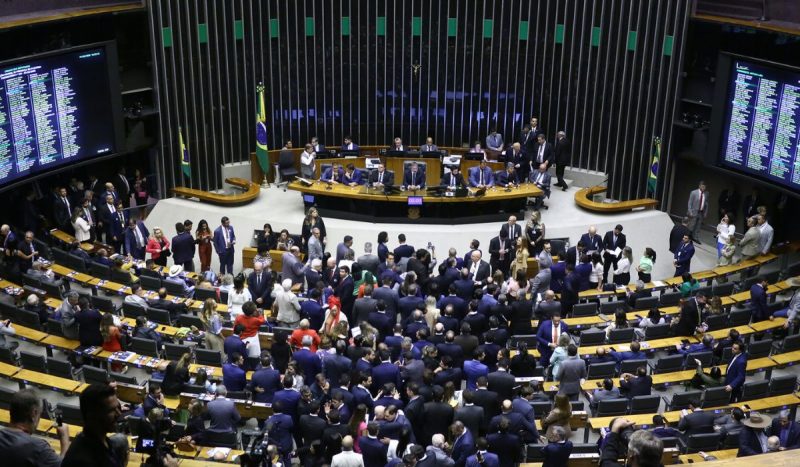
x,y
203,239
111,339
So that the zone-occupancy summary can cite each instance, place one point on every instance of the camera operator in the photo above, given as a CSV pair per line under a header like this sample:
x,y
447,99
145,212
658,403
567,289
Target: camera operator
x,y
643,449
100,410
18,446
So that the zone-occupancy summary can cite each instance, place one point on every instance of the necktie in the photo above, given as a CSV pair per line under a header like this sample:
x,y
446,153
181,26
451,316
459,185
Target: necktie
x,y
481,181
380,177
539,179
700,206
88,214
121,219
555,334
541,153
452,180
258,279
413,177
66,203
139,238
615,241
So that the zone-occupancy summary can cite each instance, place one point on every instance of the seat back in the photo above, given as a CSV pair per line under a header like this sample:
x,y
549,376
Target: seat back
x,y
754,390
592,336
669,363
173,288
5,397
7,355
611,407
702,442
286,160
203,294
680,400
52,289
780,385
704,290
30,280
716,322
121,276
121,378
94,375
620,336
194,389
134,424
630,366
54,327
601,370
646,303
103,304
145,347
175,351
739,317
59,255
71,413
33,362
187,321
759,349
29,319
715,397
132,310
208,357
159,316
541,408
704,357
723,290
100,271
529,339
791,343
60,368
656,332
150,283
669,298
645,404
220,439
584,309
609,308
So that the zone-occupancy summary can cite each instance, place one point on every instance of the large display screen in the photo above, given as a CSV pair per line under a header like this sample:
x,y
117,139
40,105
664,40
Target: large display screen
x,y
57,109
759,130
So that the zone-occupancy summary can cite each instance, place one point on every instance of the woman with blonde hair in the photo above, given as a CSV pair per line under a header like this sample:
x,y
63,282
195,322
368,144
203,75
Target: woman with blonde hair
x,y
158,247
213,325
534,233
432,313
559,354
558,417
520,257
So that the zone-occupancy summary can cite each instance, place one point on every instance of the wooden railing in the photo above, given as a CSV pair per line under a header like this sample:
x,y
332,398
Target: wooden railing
x,y
583,198
251,192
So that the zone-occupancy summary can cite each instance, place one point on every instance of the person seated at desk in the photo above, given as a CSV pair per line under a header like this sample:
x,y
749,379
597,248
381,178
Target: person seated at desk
x,y
429,146
333,174
413,179
481,176
398,146
541,179
352,176
349,145
381,177
508,178
477,149
452,180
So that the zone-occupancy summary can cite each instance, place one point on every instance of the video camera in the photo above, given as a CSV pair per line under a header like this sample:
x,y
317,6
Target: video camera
x,y
156,446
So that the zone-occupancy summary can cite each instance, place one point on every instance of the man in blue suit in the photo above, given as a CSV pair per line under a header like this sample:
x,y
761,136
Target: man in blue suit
x,y
758,298
119,222
542,180
224,242
414,178
734,377
353,176
308,361
349,145
481,176
786,429
280,427
338,364
505,444
483,458
508,177
234,344
289,397
265,381
683,256
360,391
385,372
183,248
373,449
548,334
233,376
136,236
592,241
259,283
634,353
463,445
333,174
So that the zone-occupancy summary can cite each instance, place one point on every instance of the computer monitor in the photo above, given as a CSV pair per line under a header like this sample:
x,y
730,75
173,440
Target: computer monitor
x,y
415,200
392,153
349,154
309,199
431,154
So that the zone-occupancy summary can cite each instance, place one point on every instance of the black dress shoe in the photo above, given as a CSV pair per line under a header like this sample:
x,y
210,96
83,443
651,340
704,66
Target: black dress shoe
x,y
564,188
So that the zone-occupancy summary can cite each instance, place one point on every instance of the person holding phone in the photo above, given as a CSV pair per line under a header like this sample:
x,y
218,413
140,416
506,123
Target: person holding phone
x,y
18,446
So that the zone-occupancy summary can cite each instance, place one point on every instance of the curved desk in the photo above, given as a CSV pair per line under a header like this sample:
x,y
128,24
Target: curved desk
x,y
251,192
583,199
360,203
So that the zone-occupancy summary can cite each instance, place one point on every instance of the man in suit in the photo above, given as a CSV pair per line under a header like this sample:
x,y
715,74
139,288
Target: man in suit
x,y
438,416
292,268
110,191
369,261
373,449
697,209
542,180
507,178
691,316
62,210
429,146
500,251
337,365
696,421
136,236
548,306
611,241
494,143
562,158
506,445
592,241
415,409
315,248
348,144
233,373
402,250
570,374
353,176
224,244
413,178
735,375
26,252
106,214
758,299
344,250
482,457
347,457
385,372
512,230
119,222
333,174
345,292
516,157
527,141
471,415
121,180
397,145
641,384
265,381
547,335
517,424
222,412
388,296
607,391
452,180
481,176
682,259
544,152
786,429
311,427
183,248
280,427
487,399
259,283
381,177
677,233
463,444
767,234
753,437
478,269
316,145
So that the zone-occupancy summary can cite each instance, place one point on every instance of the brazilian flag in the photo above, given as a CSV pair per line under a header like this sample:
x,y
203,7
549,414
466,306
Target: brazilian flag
x,y
652,179
261,130
185,165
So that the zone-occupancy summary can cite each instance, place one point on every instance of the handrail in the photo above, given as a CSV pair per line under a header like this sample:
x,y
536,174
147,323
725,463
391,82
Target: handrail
x,y
583,199
252,190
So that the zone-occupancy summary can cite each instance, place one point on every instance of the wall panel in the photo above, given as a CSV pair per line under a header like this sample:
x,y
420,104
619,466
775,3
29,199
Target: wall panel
x,y
451,69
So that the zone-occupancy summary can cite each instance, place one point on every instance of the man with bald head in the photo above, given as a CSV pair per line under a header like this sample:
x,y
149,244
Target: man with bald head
x,y
542,180
478,269
260,283
512,230
515,156
292,266
592,241
347,458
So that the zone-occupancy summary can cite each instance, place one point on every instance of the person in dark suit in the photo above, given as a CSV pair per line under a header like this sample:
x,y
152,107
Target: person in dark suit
x,y
280,427
678,232
516,157
183,248
265,381
511,229
544,152
452,180
592,241
612,240
119,222
385,372
224,244
349,145
316,145
482,457
683,256
547,335
310,428
507,178
690,317
333,174
478,268
696,421
758,299
561,153
334,433
471,415
352,176
631,386
26,252
260,284
542,180
501,381
373,449
307,360
735,375
381,177
438,416
481,176
397,145
402,250
135,239
558,450
463,444
574,253
487,399
500,251
750,437
415,409
505,444
62,210
414,178
786,429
